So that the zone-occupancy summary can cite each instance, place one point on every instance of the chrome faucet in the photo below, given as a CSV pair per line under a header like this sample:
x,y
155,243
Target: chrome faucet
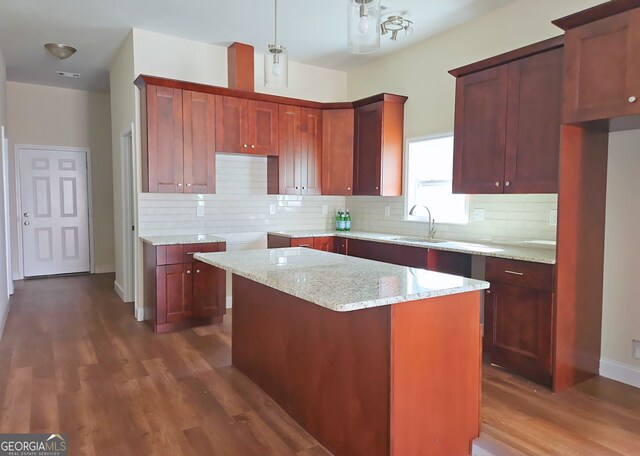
x,y
432,221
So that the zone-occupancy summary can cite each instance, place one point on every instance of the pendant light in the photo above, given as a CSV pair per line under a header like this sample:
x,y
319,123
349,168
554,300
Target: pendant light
x,y
276,60
364,26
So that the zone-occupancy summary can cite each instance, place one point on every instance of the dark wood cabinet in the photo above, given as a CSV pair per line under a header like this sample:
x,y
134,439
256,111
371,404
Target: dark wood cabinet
x,y
325,243
379,143
341,245
507,122
337,151
518,317
181,292
455,263
199,164
300,150
162,141
602,71
246,126
403,255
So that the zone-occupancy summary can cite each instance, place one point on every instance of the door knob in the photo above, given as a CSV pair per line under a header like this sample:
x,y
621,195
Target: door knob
x,y
27,223
632,99
26,214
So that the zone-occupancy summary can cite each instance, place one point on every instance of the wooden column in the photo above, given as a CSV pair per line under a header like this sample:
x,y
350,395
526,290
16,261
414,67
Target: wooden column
x,y
240,67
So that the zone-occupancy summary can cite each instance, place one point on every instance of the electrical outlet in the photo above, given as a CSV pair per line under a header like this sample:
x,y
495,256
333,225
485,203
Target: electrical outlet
x,y
387,211
200,209
553,217
636,349
272,209
478,215
325,209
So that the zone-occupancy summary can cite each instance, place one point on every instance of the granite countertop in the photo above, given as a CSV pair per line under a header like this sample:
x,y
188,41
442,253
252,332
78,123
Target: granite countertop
x,y
337,282
182,239
537,253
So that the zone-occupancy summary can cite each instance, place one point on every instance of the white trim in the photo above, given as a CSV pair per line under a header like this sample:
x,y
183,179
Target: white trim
x,y
229,302
105,268
129,206
624,373
3,320
119,290
7,210
19,274
139,312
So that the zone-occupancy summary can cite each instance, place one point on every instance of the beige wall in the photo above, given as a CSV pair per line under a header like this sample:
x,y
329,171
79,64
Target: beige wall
x,y
123,114
40,115
621,313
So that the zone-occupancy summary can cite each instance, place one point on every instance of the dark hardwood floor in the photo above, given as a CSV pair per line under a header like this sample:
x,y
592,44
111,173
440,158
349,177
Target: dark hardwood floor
x,y
73,359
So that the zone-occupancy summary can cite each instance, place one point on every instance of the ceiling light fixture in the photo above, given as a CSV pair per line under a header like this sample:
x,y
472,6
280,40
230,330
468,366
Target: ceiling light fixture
x,y
276,60
396,24
363,27
61,51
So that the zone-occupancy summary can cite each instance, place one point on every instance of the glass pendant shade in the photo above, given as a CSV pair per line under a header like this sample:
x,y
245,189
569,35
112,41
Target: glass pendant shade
x,y
364,26
276,67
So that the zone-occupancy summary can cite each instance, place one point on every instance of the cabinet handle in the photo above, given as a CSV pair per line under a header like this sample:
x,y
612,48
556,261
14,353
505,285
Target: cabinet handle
x,y
488,291
188,272
507,183
179,184
245,146
513,272
304,245
497,184
188,185
197,271
253,146
191,253
632,99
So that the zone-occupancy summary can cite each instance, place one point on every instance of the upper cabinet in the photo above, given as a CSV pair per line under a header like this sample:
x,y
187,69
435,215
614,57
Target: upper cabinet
x,y
337,152
199,159
602,69
246,126
507,122
300,150
379,143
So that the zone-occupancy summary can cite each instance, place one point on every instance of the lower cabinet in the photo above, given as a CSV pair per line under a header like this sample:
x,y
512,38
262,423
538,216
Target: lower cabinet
x,y
181,292
518,317
403,255
325,243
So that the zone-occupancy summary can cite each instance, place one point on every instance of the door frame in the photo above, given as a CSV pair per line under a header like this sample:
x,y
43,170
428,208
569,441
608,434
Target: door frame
x,y
129,208
18,225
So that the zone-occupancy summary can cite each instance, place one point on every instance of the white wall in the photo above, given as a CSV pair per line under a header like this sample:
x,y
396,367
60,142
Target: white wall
x,y
51,116
621,310
4,301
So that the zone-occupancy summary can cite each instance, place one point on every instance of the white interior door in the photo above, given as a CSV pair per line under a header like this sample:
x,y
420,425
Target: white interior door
x,y
55,212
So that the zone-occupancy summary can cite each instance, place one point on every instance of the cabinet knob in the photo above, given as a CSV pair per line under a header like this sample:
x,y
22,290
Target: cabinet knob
x,y
27,223
179,184
188,185
632,99
253,146
497,184
26,214
188,272
197,271
507,183
377,188
349,188
245,146
488,291
303,188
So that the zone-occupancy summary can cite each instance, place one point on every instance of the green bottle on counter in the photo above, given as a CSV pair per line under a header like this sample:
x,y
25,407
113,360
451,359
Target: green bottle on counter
x,y
347,221
339,221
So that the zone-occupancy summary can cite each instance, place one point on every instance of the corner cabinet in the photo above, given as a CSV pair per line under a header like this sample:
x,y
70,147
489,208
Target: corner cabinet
x,y
378,147
602,70
181,292
178,128
507,122
337,151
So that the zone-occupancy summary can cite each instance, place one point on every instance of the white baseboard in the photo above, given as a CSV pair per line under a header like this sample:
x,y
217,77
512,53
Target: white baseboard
x,y
229,302
3,320
620,372
105,268
139,313
119,289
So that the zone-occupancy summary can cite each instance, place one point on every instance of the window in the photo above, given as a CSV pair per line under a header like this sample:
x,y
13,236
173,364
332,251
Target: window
x,y
429,176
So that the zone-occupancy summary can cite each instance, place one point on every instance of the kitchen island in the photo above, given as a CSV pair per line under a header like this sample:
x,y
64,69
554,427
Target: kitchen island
x,y
370,358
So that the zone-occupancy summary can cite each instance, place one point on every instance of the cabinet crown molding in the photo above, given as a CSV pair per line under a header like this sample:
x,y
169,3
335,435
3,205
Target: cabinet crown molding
x,y
596,13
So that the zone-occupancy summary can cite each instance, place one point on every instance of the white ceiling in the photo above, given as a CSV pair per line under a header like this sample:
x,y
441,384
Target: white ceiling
x,y
314,32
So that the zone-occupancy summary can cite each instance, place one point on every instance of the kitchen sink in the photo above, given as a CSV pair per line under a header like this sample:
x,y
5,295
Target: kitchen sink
x,y
417,239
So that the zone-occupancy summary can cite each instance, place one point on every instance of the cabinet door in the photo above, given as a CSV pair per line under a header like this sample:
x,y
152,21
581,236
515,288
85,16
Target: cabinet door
x,y
263,128
209,290
337,152
479,132
198,114
533,124
290,147
341,246
367,151
232,128
302,242
520,321
602,70
174,293
323,243
450,262
164,139
311,152
403,255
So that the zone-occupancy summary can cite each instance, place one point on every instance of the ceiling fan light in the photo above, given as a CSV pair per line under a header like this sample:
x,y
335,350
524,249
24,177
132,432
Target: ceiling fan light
x,y
60,51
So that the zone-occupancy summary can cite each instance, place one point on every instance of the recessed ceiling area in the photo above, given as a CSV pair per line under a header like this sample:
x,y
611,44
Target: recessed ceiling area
x,y
313,32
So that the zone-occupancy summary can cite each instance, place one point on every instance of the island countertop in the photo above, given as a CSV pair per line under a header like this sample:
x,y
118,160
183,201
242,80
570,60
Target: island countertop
x,y
337,282
535,251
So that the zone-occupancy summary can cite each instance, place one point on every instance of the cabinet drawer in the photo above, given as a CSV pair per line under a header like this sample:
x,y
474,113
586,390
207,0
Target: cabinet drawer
x,y
520,273
189,249
169,254
302,242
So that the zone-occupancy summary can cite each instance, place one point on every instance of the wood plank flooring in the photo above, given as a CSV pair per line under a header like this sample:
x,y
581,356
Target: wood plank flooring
x,y
73,359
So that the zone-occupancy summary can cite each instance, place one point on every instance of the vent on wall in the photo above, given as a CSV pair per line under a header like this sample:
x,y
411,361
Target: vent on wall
x,y
66,74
